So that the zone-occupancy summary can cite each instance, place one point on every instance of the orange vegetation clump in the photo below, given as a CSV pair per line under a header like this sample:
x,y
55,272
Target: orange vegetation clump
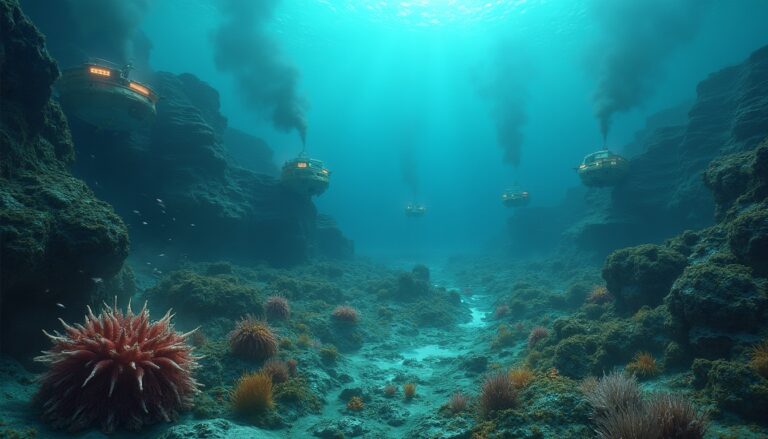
x,y
345,314
759,358
253,339
521,377
390,390
355,404
643,365
252,394
409,390
277,370
599,295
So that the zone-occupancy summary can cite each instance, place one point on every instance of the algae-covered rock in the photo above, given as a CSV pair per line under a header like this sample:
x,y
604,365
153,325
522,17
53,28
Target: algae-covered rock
x,y
641,275
205,297
57,240
748,238
723,297
734,386
711,304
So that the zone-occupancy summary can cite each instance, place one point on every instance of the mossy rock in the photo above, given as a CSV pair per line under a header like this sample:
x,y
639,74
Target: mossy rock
x,y
205,297
748,238
734,386
642,275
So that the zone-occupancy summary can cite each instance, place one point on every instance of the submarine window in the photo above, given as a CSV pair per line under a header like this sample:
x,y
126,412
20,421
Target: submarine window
x,y
301,165
100,72
139,88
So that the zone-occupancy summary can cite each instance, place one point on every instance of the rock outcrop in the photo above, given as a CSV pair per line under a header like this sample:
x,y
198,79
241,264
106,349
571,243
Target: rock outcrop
x,y
663,194
58,242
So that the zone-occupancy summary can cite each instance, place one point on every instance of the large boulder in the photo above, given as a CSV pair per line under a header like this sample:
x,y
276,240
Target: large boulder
x,y
640,276
713,304
58,242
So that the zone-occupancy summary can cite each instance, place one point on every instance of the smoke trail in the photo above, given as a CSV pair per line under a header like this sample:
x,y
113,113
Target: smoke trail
x,y
512,72
81,29
638,37
243,49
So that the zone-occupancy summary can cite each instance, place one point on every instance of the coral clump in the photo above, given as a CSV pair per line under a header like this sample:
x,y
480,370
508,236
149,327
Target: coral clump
x,y
277,370
643,365
501,311
498,393
759,359
390,390
458,403
409,390
504,337
329,354
521,377
345,314
118,370
599,295
253,339
252,394
277,308
537,334
292,365
355,404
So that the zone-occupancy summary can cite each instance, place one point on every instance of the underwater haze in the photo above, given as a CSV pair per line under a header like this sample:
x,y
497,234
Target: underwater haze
x,y
383,219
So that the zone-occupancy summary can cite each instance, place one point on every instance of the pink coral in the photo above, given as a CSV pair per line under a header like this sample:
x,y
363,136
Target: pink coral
x,y
277,308
118,370
345,314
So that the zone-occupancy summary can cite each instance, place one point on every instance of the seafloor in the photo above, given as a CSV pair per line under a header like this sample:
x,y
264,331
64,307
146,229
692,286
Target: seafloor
x,y
661,279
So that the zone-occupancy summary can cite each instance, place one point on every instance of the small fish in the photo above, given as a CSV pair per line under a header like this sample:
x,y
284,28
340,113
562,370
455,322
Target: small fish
x,y
192,225
144,222
159,201
47,290
61,305
136,212
161,255
97,280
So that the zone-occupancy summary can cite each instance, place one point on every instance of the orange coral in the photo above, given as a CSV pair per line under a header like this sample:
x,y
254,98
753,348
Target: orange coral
x,y
599,295
521,377
355,404
409,390
759,358
252,394
345,314
643,365
253,339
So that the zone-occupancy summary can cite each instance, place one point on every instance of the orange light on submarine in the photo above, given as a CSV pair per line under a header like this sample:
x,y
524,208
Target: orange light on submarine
x,y
139,88
301,165
100,71
324,171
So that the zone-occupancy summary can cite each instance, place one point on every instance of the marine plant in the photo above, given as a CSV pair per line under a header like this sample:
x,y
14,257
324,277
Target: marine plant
x,y
253,339
521,377
277,308
355,404
504,337
277,370
390,390
537,334
119,370
329,354
643,365
303,341
292,365
409,390
498,393
500,311
599,295
252,394
345,314
676,417
458,403
759,358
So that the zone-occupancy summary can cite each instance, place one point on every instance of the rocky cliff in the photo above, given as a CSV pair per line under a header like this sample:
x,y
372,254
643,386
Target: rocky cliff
x,y
664,193
58,242
181,193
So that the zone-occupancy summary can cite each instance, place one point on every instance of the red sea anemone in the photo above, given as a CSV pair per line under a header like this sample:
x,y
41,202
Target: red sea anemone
x,y
277,308
253,339
118,370
345,314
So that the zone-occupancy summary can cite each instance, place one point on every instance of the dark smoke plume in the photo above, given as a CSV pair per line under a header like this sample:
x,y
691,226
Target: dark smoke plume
x,y
77,30
512,72
243,48
638,37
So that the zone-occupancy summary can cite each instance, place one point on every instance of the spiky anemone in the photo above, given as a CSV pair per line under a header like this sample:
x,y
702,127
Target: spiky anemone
x,y
119,370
